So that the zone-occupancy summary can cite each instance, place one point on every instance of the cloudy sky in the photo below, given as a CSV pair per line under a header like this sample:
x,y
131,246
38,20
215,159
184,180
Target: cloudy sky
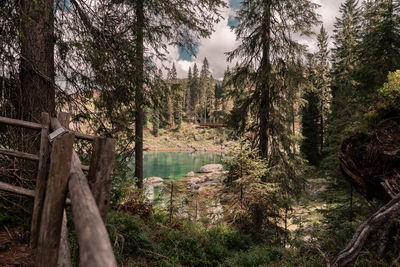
x,y
224,40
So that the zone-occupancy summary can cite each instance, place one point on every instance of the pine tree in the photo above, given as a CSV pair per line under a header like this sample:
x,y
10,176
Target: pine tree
x,y
270,43
176,97
204,89
344,85
379,48
323,84
270,61
188,93
343,118
310,119
194,91
227,88
317,96
169,97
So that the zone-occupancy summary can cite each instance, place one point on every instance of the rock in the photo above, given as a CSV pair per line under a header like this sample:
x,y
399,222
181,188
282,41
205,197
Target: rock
x,y
317,192
218,142
194,181
209,168
196,187
167,139
153,180
179,145
196,137
149,192
190,174
319,180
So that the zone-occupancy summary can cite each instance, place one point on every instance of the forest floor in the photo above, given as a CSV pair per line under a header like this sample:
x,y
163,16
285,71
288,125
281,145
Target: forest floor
x,y
14,248
188,137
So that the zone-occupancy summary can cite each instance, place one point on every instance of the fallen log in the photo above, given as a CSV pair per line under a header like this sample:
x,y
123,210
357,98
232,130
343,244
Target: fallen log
x,y
371,163
350,253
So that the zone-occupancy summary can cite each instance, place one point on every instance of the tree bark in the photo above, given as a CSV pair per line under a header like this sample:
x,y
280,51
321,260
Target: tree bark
x,y
37,93
139,93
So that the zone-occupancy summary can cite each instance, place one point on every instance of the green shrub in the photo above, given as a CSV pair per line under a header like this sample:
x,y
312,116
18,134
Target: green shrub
x,y
255,257
128,234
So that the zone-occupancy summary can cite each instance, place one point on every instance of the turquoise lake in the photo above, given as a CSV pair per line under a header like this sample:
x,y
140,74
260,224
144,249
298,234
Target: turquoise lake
x,y
176,164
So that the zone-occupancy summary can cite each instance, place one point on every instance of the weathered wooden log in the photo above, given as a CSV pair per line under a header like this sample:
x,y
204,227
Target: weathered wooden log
x,y
53,207
83,136
41,179
18,154
100,173
22,191
64,253
24,124
387,212
94,244
16,190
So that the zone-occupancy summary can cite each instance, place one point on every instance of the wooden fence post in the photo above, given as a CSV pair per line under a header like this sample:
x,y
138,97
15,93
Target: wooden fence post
x,y
64,253
100,173
56,189
64,118
95,248
41,179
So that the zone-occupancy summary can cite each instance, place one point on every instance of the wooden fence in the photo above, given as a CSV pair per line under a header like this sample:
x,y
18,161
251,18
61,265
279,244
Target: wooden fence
x,y
60,171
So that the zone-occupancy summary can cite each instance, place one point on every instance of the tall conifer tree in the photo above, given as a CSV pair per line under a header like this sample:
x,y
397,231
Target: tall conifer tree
x,y
379,48
266,38
344,64
270,62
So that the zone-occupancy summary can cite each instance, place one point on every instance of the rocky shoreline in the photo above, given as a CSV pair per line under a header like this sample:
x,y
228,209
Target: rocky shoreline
x,y
207,177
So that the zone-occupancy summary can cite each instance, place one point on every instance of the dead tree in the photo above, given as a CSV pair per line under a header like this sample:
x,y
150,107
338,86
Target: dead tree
x,y
371,163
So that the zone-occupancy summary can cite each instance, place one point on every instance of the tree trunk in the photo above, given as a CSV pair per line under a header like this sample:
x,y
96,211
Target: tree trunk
x,y
139,93
265,69
37,93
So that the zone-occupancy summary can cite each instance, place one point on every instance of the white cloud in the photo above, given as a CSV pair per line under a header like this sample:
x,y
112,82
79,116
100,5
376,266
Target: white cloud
x,y
224,40
214,48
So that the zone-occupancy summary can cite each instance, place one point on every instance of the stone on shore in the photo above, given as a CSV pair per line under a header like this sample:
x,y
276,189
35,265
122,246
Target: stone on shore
x,y
209,168
190,174
153,181
194,181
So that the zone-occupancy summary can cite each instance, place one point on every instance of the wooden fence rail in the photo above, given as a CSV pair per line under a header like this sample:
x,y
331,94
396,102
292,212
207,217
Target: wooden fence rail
x,y
89,200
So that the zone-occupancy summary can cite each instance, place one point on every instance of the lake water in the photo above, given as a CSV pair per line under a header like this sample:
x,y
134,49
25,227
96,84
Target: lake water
x,y
176,164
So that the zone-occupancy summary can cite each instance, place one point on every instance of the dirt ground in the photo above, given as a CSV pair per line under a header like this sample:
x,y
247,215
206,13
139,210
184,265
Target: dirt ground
x,y
14,247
